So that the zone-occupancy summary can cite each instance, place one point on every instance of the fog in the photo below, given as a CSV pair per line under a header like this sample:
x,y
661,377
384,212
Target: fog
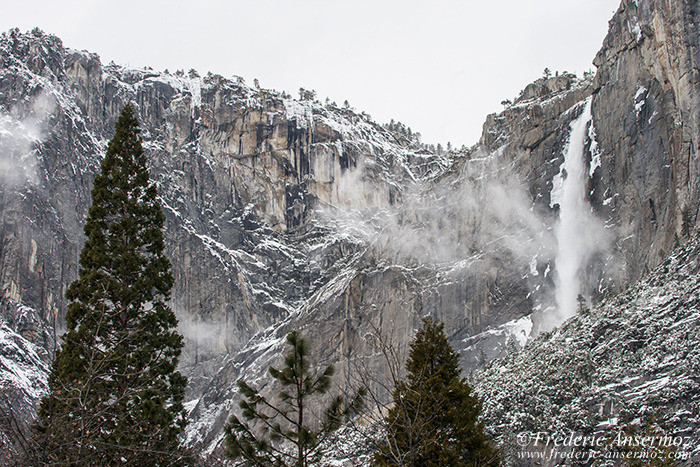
x,y
480,216
21,134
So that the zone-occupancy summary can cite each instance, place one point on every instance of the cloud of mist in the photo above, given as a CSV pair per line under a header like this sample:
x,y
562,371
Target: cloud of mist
x,y
479,217
465,221
201,337
21,134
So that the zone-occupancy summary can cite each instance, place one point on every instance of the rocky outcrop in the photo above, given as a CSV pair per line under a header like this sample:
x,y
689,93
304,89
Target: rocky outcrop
x,y
646,117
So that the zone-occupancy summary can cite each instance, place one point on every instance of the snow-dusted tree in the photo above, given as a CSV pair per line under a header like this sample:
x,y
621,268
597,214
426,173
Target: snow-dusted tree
x,y
115,395
279,433
434,418
582,306
306,94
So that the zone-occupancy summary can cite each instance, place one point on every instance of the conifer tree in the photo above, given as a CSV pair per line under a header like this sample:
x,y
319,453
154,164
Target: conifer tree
x,y
115,395
582,304
434,418
279,433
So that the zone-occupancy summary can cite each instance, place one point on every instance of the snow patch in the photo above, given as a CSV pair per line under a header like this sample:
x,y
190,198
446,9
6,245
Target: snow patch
x,y
533,266
299,111
635,29
519,330
639,105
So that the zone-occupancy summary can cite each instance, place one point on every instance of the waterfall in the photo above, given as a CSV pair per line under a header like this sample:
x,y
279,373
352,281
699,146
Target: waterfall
x,y
575,231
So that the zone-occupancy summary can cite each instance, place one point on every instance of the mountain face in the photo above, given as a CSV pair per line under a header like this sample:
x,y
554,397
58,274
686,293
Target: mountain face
x,y
292,214
649,61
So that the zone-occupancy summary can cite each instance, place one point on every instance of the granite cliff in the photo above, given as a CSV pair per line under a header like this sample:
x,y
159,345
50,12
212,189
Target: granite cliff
x,y
293,214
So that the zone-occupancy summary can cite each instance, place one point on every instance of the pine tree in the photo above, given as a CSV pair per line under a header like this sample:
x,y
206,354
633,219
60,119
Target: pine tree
x,y
115,395
582,306
434,418
280,434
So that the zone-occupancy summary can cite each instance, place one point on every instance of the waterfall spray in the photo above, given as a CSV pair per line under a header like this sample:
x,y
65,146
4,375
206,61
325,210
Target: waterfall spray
x,y
574,229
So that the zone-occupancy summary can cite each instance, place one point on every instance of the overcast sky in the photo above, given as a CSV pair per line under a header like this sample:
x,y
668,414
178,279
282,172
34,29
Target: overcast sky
x,y
439,66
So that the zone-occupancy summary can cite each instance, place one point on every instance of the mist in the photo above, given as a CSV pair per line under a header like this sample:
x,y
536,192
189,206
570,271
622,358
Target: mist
x,y
21,134
200,336
470,221
482,216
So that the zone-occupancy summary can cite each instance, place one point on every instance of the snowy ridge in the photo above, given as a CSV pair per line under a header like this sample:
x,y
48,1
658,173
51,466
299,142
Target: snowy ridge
x,y
632,359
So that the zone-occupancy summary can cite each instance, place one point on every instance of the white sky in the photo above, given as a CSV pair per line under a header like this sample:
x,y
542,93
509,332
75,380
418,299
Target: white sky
x,y
439,66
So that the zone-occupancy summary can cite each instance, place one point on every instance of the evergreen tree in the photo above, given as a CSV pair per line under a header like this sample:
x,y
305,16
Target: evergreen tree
x,y
115,395
279,434
434,418
582,306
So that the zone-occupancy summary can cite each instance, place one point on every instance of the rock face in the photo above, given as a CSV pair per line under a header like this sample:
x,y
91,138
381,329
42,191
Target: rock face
x,y
646,117
289,214
239,171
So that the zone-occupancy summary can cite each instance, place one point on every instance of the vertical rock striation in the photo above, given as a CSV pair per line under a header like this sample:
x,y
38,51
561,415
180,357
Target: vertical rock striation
x,y
645,113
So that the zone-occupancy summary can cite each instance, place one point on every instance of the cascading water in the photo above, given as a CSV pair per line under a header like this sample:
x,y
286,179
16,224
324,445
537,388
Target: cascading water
x,y
575,230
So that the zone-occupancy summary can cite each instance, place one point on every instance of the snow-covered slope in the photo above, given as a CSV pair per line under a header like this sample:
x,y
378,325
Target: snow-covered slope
x,y
630,362
24,366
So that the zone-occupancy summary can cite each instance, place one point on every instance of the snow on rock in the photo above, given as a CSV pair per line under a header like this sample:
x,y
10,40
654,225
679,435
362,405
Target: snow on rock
x,y
24,370
533,266
300,111
519,329
634,358
640,99
21,367
494,342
